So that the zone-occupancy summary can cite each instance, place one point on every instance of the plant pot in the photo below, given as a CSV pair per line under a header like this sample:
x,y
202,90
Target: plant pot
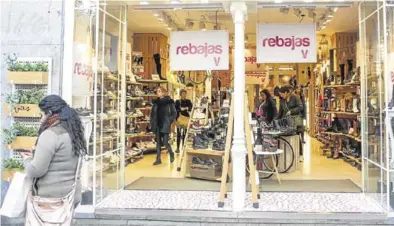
x,y
23,143
22,110
27,77
8,174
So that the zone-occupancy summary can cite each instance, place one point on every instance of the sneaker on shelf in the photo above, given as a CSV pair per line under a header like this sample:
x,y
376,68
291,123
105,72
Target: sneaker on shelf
x,y
138,92
211,162
198,161
83,112
199,143
111,94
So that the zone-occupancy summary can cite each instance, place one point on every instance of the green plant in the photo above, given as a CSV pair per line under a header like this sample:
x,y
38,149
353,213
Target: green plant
x,y
11,163
14,65
17,130
32,96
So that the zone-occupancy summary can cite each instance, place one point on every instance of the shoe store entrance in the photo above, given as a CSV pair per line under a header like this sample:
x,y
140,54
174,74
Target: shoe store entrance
x,y
163,123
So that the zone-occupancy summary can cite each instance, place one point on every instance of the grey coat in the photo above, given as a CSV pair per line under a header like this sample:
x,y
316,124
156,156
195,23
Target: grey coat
x,y
54,165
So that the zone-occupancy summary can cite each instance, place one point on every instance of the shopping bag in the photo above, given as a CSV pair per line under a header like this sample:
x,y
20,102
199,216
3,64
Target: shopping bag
x,y
182,121
15,200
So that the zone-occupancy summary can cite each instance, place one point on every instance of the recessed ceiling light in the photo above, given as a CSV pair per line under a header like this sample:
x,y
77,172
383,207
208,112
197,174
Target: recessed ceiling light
x,y
144,3
155,13
175,1
204,1
278,1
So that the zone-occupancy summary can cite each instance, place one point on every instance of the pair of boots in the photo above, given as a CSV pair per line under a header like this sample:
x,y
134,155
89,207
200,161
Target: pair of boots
x,y
158,159
157,57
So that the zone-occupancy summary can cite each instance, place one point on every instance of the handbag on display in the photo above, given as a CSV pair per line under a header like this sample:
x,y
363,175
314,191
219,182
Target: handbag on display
x,y
182,121
15,201
52,211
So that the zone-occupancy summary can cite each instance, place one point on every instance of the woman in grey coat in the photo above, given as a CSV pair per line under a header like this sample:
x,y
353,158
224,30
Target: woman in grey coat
x,y
60,143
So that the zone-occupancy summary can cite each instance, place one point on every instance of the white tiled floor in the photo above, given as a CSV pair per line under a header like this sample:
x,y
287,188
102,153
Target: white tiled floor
x,y
270,201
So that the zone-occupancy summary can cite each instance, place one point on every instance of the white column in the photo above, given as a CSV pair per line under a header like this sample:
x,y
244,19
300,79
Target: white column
x,y
68,40
239,12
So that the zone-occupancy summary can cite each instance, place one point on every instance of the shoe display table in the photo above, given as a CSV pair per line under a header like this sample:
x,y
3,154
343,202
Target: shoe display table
x,y
284,159
203,163
273,154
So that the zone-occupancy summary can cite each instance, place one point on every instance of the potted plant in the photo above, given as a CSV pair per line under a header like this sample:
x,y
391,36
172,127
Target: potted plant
x,y
24,103
26,73
10,166
20,137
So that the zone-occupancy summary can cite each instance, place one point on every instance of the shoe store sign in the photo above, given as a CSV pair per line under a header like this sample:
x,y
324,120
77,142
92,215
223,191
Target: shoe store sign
x,y
286,43
82,70
199,50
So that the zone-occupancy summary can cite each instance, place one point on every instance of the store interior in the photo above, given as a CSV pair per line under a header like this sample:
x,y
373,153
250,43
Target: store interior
x,y
331,159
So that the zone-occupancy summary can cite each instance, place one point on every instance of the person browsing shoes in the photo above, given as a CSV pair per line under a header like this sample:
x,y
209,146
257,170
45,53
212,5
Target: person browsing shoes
x,y
183,106
162,116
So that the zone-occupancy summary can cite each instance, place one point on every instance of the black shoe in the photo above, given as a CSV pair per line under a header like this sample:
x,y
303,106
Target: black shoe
x,y
157,162
198,161
177,151
172,157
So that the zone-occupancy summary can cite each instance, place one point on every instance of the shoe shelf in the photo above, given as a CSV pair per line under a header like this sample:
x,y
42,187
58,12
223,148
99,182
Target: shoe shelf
x,y
348,85
343,134
204,152
151,81
340,112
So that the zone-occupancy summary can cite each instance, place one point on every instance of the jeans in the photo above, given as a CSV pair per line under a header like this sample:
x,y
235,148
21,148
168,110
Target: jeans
x,y
162,138
180,136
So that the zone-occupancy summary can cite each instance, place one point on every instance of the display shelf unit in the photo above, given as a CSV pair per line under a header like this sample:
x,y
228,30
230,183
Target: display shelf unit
x,y
134,121
27,115
338,102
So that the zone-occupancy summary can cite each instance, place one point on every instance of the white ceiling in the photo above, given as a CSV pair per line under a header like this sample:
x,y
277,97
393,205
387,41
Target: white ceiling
x,y
344,20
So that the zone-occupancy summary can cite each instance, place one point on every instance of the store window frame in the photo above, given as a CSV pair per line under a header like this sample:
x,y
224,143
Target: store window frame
x,y
99,9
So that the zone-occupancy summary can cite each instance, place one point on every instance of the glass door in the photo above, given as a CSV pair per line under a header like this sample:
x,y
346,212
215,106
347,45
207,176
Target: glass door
x,y
373,76
99,77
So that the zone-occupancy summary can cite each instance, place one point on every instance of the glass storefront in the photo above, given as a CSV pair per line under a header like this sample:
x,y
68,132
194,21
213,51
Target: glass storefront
x,y
99,77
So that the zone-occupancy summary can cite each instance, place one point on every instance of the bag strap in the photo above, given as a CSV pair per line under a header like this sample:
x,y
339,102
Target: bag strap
x,y
78,168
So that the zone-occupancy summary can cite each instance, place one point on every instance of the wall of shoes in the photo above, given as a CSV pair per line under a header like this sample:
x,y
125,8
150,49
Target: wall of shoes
x,y
338,108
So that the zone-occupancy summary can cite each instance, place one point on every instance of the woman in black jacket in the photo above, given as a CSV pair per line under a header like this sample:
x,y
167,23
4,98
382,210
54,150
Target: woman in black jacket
x,y
291,105
268,106
162,115
183,106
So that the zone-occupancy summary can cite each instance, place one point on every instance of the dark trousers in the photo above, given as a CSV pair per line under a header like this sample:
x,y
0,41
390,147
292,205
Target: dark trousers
x,y
162,139
180,136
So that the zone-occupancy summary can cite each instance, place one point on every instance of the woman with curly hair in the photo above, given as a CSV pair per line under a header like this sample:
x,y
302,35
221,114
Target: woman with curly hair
x,y
57,156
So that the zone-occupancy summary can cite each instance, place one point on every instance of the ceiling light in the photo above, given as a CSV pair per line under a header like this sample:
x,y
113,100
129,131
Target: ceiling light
x,y
160,18
297,12
189,24
323,27
202,26
204,1
169,28
311,14
284,10
155,13
175,1
278,1
144,3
